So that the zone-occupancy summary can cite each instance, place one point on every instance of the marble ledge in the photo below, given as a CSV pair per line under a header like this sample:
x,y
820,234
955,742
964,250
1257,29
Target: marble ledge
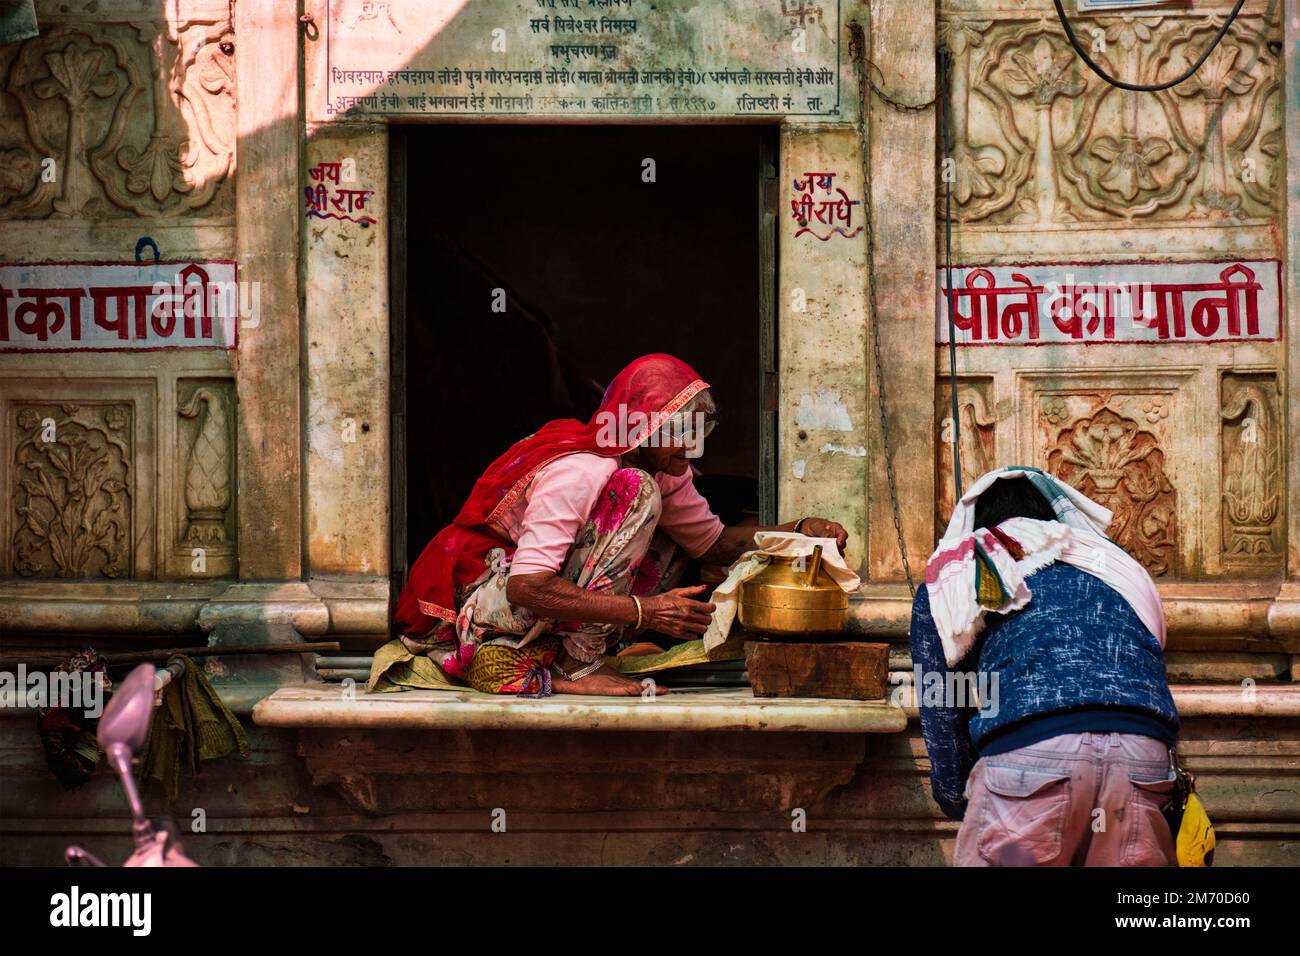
x,y
1251,616
710,709
323,705
1212,701
1202,615
314,608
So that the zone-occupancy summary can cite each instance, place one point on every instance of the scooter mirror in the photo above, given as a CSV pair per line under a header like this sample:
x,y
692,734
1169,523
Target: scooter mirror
x,y
126,718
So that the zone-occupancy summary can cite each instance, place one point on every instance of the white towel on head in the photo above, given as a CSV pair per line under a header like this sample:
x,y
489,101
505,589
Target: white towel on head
x,y
1077,537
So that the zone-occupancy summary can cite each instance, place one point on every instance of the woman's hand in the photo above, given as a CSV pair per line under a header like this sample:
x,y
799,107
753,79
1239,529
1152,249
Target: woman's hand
x,y
822,528
677,612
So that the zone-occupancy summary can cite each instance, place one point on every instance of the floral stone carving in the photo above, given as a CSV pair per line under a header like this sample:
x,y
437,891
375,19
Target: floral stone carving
x,y
1118,463
72,503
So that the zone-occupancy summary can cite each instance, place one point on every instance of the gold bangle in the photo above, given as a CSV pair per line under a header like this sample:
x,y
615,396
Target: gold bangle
x,y
637,601
799,522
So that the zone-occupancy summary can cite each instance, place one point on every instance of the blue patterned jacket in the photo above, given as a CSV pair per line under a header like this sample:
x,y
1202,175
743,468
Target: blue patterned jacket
x,y
1076,644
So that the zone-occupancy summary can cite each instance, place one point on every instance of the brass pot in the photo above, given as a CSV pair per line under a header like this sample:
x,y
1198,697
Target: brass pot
x,y
789,599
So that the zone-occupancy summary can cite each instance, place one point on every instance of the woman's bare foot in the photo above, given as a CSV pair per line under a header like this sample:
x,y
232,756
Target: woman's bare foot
x,y
605,682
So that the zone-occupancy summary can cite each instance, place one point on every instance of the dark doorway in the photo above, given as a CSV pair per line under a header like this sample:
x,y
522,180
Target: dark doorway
x,y
595,266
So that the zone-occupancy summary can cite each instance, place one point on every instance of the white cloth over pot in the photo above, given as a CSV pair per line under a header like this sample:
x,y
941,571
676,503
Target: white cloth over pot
x,y
784,544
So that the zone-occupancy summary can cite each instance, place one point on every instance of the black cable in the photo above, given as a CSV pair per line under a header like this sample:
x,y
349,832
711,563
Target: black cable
x,y
1143,87
945,67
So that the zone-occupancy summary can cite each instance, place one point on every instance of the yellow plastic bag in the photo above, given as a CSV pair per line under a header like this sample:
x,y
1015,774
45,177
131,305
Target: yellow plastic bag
x,y
1195,834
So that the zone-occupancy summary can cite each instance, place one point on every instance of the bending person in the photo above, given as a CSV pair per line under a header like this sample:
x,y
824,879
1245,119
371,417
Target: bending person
x,y
1065,760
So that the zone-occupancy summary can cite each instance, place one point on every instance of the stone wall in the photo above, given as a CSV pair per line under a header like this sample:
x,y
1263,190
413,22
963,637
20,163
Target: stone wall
x,y
397,798
181,121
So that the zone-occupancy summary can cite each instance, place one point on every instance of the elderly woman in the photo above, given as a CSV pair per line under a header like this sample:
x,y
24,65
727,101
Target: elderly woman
x,y
571,538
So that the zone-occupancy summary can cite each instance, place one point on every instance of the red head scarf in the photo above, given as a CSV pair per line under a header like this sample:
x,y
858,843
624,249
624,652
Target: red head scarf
x,y
638,401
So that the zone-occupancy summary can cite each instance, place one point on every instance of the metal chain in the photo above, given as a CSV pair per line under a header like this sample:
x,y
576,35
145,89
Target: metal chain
x,y
858,53
885,97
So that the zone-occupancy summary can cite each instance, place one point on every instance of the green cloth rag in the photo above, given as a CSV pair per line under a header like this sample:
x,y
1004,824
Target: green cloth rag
x,y
191,726
17,20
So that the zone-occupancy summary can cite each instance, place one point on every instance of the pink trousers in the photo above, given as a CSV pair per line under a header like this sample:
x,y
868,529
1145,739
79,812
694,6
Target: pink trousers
x,y
1073,800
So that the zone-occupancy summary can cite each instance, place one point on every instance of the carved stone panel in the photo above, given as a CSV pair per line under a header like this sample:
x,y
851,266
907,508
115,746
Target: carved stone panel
x,y
1040,140
102,120
1113,444
1053,165
1251,472
977,440
203,489
72,510
78,481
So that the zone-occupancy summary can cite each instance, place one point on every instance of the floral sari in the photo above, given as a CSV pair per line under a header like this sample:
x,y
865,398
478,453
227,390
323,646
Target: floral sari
x,y
454,606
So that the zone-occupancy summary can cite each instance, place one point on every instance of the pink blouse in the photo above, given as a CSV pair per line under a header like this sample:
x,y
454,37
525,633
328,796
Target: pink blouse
x,y
544,521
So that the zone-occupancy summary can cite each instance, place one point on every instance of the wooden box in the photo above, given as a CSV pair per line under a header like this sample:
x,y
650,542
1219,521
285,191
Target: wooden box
x,y
841,671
